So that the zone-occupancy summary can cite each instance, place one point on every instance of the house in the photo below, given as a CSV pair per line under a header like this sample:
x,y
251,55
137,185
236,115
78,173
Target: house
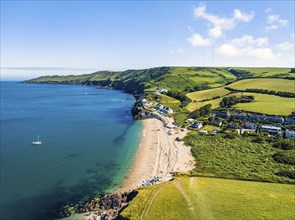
x,y
234,126
197,125
223,114
289,133
271,129
274,119
250,126
189,120
144,102
289,121
215,131
162,90
159,106
159,91
240,116
202,132
216,122
166,110
257,117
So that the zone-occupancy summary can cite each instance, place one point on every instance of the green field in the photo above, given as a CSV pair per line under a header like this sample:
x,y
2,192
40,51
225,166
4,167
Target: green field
x,y
207,94
210,198
168,101
215,102
268,72
237,158
268,104
282,85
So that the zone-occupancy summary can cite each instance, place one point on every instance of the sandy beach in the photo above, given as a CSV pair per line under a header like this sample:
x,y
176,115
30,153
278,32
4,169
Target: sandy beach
x,y
159,154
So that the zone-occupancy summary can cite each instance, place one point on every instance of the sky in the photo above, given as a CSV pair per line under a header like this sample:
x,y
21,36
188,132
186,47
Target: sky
x,y
74,37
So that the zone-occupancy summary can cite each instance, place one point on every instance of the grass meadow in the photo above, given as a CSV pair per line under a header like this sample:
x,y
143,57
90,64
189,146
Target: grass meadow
x,y
268,104
204,198
271,84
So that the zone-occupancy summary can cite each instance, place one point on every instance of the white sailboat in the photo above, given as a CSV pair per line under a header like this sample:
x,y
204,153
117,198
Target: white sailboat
x,y
37,142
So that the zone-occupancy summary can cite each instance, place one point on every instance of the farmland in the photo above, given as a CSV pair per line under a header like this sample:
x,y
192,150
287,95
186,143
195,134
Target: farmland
x,y
208,94
212,198
268,104
214,102
282,85
267,72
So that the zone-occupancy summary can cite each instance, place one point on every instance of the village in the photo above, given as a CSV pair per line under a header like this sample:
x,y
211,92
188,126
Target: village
x,y
222,121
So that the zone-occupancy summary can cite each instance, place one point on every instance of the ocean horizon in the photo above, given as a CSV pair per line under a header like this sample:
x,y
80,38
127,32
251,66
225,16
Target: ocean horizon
x,y
89,140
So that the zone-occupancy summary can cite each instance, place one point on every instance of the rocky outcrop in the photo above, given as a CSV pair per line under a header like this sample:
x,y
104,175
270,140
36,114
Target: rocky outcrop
x,y
107,207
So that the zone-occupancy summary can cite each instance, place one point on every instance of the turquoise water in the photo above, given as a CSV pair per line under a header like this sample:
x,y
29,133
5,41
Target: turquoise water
x,y
88,141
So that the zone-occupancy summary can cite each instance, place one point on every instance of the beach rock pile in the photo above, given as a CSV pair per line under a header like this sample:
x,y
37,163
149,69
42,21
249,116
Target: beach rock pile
x,y
107,207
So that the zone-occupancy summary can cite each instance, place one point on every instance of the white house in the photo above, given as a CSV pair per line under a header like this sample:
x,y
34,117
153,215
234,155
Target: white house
x,y
271,129
159,106
250,125
289,133
203,132
197,125
144,102
189,120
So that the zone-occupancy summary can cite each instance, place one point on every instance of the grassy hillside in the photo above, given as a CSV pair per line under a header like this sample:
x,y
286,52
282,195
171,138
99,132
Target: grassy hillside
x,y
214,102
185,79
268,104
281,85
236,158
190,80
210,198
267,72
207,94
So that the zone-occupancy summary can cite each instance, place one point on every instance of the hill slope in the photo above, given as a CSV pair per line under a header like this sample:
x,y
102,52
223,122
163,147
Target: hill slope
x,y
184,79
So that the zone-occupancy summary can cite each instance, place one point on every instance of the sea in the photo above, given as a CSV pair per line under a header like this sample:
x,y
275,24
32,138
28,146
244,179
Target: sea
x,y
88,137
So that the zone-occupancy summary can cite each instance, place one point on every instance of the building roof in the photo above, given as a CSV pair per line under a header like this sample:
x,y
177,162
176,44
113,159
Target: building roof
x,y
290,131
270,127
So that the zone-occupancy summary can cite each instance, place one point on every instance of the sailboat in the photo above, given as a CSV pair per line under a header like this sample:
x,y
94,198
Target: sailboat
x,y
37,142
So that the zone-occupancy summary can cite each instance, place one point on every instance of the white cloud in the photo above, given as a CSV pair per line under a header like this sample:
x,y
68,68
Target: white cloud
x,y
215,32
262,53
249,40
238,15
228,50
285,45
247,46
274,21
197,40
219,24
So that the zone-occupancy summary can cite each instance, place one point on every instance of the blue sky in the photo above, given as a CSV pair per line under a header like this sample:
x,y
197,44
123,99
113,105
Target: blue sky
x,y
73,37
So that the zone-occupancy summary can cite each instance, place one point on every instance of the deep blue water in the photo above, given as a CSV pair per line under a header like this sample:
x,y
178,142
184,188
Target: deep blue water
x,y
88,142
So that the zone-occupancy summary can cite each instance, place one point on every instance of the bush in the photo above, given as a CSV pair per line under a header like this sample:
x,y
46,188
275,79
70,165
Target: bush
x,y
258,140
287,173
286,144
203,111
230,135
286,157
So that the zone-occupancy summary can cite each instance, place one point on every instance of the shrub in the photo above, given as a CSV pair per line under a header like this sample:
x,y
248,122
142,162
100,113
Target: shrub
x,y
287,173
286,157
258,140
286,144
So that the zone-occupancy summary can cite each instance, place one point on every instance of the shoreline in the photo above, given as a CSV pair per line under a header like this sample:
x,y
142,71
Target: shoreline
x,y
158,156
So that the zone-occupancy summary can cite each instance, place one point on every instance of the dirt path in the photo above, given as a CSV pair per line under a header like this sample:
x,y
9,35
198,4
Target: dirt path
x,y
150,202
187,198
202,207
